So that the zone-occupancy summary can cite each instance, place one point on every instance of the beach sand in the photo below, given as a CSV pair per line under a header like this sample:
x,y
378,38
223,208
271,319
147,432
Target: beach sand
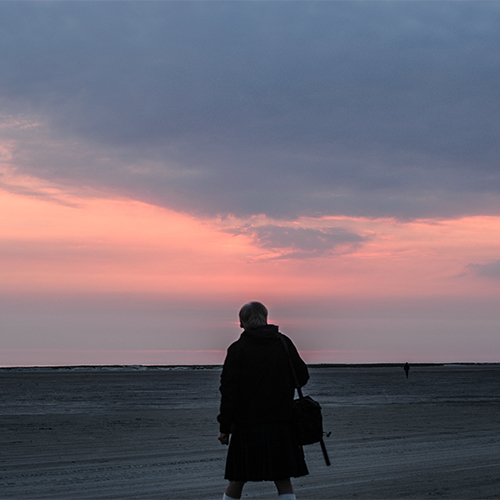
x,y
136,433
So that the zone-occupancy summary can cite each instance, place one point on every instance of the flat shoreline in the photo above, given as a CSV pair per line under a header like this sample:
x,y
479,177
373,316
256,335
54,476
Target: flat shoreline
x,y
215,367
151,434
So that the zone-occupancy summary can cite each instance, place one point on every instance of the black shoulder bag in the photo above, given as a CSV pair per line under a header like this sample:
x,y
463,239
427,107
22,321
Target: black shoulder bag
x,y
308,421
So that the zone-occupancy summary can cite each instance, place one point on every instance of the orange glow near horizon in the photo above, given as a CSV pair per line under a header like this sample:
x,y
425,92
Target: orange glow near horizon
x,y
95,244
85,277
107,245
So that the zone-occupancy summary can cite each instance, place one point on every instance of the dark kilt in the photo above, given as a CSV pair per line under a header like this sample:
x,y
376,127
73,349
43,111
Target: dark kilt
x,y
265,452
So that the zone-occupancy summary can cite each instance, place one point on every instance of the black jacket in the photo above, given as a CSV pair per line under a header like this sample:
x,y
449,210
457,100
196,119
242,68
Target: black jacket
x,y
256,382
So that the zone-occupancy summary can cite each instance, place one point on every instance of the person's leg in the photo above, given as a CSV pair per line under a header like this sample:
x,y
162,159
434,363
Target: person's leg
x,y
284,486
234,489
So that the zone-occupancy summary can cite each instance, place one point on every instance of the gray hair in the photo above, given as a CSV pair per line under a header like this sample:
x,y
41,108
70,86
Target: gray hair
x,y
253,315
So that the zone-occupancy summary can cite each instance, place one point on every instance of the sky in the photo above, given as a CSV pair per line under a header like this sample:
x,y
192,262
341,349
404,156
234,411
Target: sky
x,y
163,163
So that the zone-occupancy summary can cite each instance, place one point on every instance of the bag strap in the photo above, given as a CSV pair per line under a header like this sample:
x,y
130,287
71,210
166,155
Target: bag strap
x,y
301,396
294,374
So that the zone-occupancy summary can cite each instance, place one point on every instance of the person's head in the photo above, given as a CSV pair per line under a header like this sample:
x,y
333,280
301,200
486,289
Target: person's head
x,y
253,315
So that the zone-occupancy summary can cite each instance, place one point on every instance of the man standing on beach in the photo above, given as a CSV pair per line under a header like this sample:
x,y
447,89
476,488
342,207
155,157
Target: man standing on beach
x,y
256,409
406,369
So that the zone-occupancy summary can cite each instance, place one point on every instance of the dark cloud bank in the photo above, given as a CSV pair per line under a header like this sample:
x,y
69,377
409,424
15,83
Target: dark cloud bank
x,y
298,242
490,270
285,109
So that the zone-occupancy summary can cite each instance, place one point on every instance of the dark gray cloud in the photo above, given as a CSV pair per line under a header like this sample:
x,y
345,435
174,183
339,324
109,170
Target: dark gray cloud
x,y
300,243
282,108
490,270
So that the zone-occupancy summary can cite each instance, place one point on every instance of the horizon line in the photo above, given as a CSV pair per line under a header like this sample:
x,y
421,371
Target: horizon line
x,y
314,365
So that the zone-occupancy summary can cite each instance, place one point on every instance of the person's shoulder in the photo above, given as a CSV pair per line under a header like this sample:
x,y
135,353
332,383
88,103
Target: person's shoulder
x,y
236,345
288,340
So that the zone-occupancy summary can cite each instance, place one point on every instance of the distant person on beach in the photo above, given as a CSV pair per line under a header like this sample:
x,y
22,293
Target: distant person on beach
x,y
406,369
257,391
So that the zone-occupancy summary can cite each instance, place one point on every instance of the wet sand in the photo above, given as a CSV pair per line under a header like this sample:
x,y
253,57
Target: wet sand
x,y
127,434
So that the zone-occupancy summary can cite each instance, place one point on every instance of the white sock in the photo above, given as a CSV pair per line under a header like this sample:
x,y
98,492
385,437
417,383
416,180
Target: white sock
x,y
225,497
287,496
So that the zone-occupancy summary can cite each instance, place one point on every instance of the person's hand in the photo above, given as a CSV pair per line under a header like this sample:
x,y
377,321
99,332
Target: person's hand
x,y
223,438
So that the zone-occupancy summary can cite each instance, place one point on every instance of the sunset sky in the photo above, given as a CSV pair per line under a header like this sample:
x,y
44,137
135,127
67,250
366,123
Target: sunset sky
x,y
163,163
